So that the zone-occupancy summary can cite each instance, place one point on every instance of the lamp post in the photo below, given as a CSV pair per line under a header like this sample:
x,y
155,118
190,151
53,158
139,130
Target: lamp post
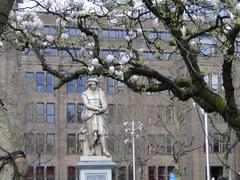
x,y
133,131
207,144
206,140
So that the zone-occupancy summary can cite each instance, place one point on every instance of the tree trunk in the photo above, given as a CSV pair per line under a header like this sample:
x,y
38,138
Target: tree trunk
x,y
225,165
177,171
9,142
5,8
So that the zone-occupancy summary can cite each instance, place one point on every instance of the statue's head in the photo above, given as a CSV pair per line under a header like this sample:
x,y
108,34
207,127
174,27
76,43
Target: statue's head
x,y
92,83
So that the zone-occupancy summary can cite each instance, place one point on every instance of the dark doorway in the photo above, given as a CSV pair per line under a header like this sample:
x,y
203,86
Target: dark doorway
x,y
216,171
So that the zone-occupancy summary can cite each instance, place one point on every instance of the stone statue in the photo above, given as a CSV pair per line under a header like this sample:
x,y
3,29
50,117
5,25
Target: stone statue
x,y
94,116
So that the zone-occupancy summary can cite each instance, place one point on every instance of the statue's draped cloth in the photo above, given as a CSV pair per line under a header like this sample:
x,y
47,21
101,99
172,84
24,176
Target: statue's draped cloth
x,y
95,123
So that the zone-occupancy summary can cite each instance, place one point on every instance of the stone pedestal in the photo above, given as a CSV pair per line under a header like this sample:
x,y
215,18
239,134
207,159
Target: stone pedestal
x,y
95,168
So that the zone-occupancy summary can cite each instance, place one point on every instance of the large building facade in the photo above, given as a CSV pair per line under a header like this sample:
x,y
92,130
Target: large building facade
x,y
52,118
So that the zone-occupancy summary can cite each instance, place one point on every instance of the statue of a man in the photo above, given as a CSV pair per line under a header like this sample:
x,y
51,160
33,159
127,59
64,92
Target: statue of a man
x,y
95,106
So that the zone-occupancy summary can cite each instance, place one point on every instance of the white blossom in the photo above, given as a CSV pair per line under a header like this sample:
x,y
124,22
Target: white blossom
x,y
184,1
83,35
91,44
49,38
214,2
91,68
227,29
184,31
48,3
44,43
111,69
127,38
139,32
1,44
119,74
113,21
60,22
137,4
109,58
232,17
125,123
134,78
130,33
126,141
157,2
64,36
124,59
95,62
156,23
238,7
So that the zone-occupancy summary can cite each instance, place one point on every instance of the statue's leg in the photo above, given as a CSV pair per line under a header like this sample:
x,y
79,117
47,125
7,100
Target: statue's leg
x,y
104,146
92,151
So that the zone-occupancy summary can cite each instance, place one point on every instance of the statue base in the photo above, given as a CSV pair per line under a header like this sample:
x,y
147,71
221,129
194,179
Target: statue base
x,y
95,168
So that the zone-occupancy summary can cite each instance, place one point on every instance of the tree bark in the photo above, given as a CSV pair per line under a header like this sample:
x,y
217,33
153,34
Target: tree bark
x,y
5,8
9,142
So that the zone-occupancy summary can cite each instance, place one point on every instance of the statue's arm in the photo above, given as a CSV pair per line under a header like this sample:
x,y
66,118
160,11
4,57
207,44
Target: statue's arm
x,y
87,105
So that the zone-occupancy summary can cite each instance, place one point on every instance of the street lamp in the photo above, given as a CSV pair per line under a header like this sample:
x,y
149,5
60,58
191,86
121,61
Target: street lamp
x,y
206,140
133,131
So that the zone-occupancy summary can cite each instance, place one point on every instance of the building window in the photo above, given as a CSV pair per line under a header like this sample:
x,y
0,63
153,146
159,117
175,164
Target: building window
x,y
170,170
70,113
145,13
51,52
130,172
29,112
71,144
30,173
39,112
80,109
207,46
41,79
161,144
111,112
111,86
169,144
214,82
50,113
50,30
39,140
40,82
80,84
30,81
148,55
161,173
151,113
151,172
71,171
40,173
50,143
29,143
164,115
76,85
217,143
71,87
39,143
50,83
74,144
50,173
169,115
79,145
113,33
